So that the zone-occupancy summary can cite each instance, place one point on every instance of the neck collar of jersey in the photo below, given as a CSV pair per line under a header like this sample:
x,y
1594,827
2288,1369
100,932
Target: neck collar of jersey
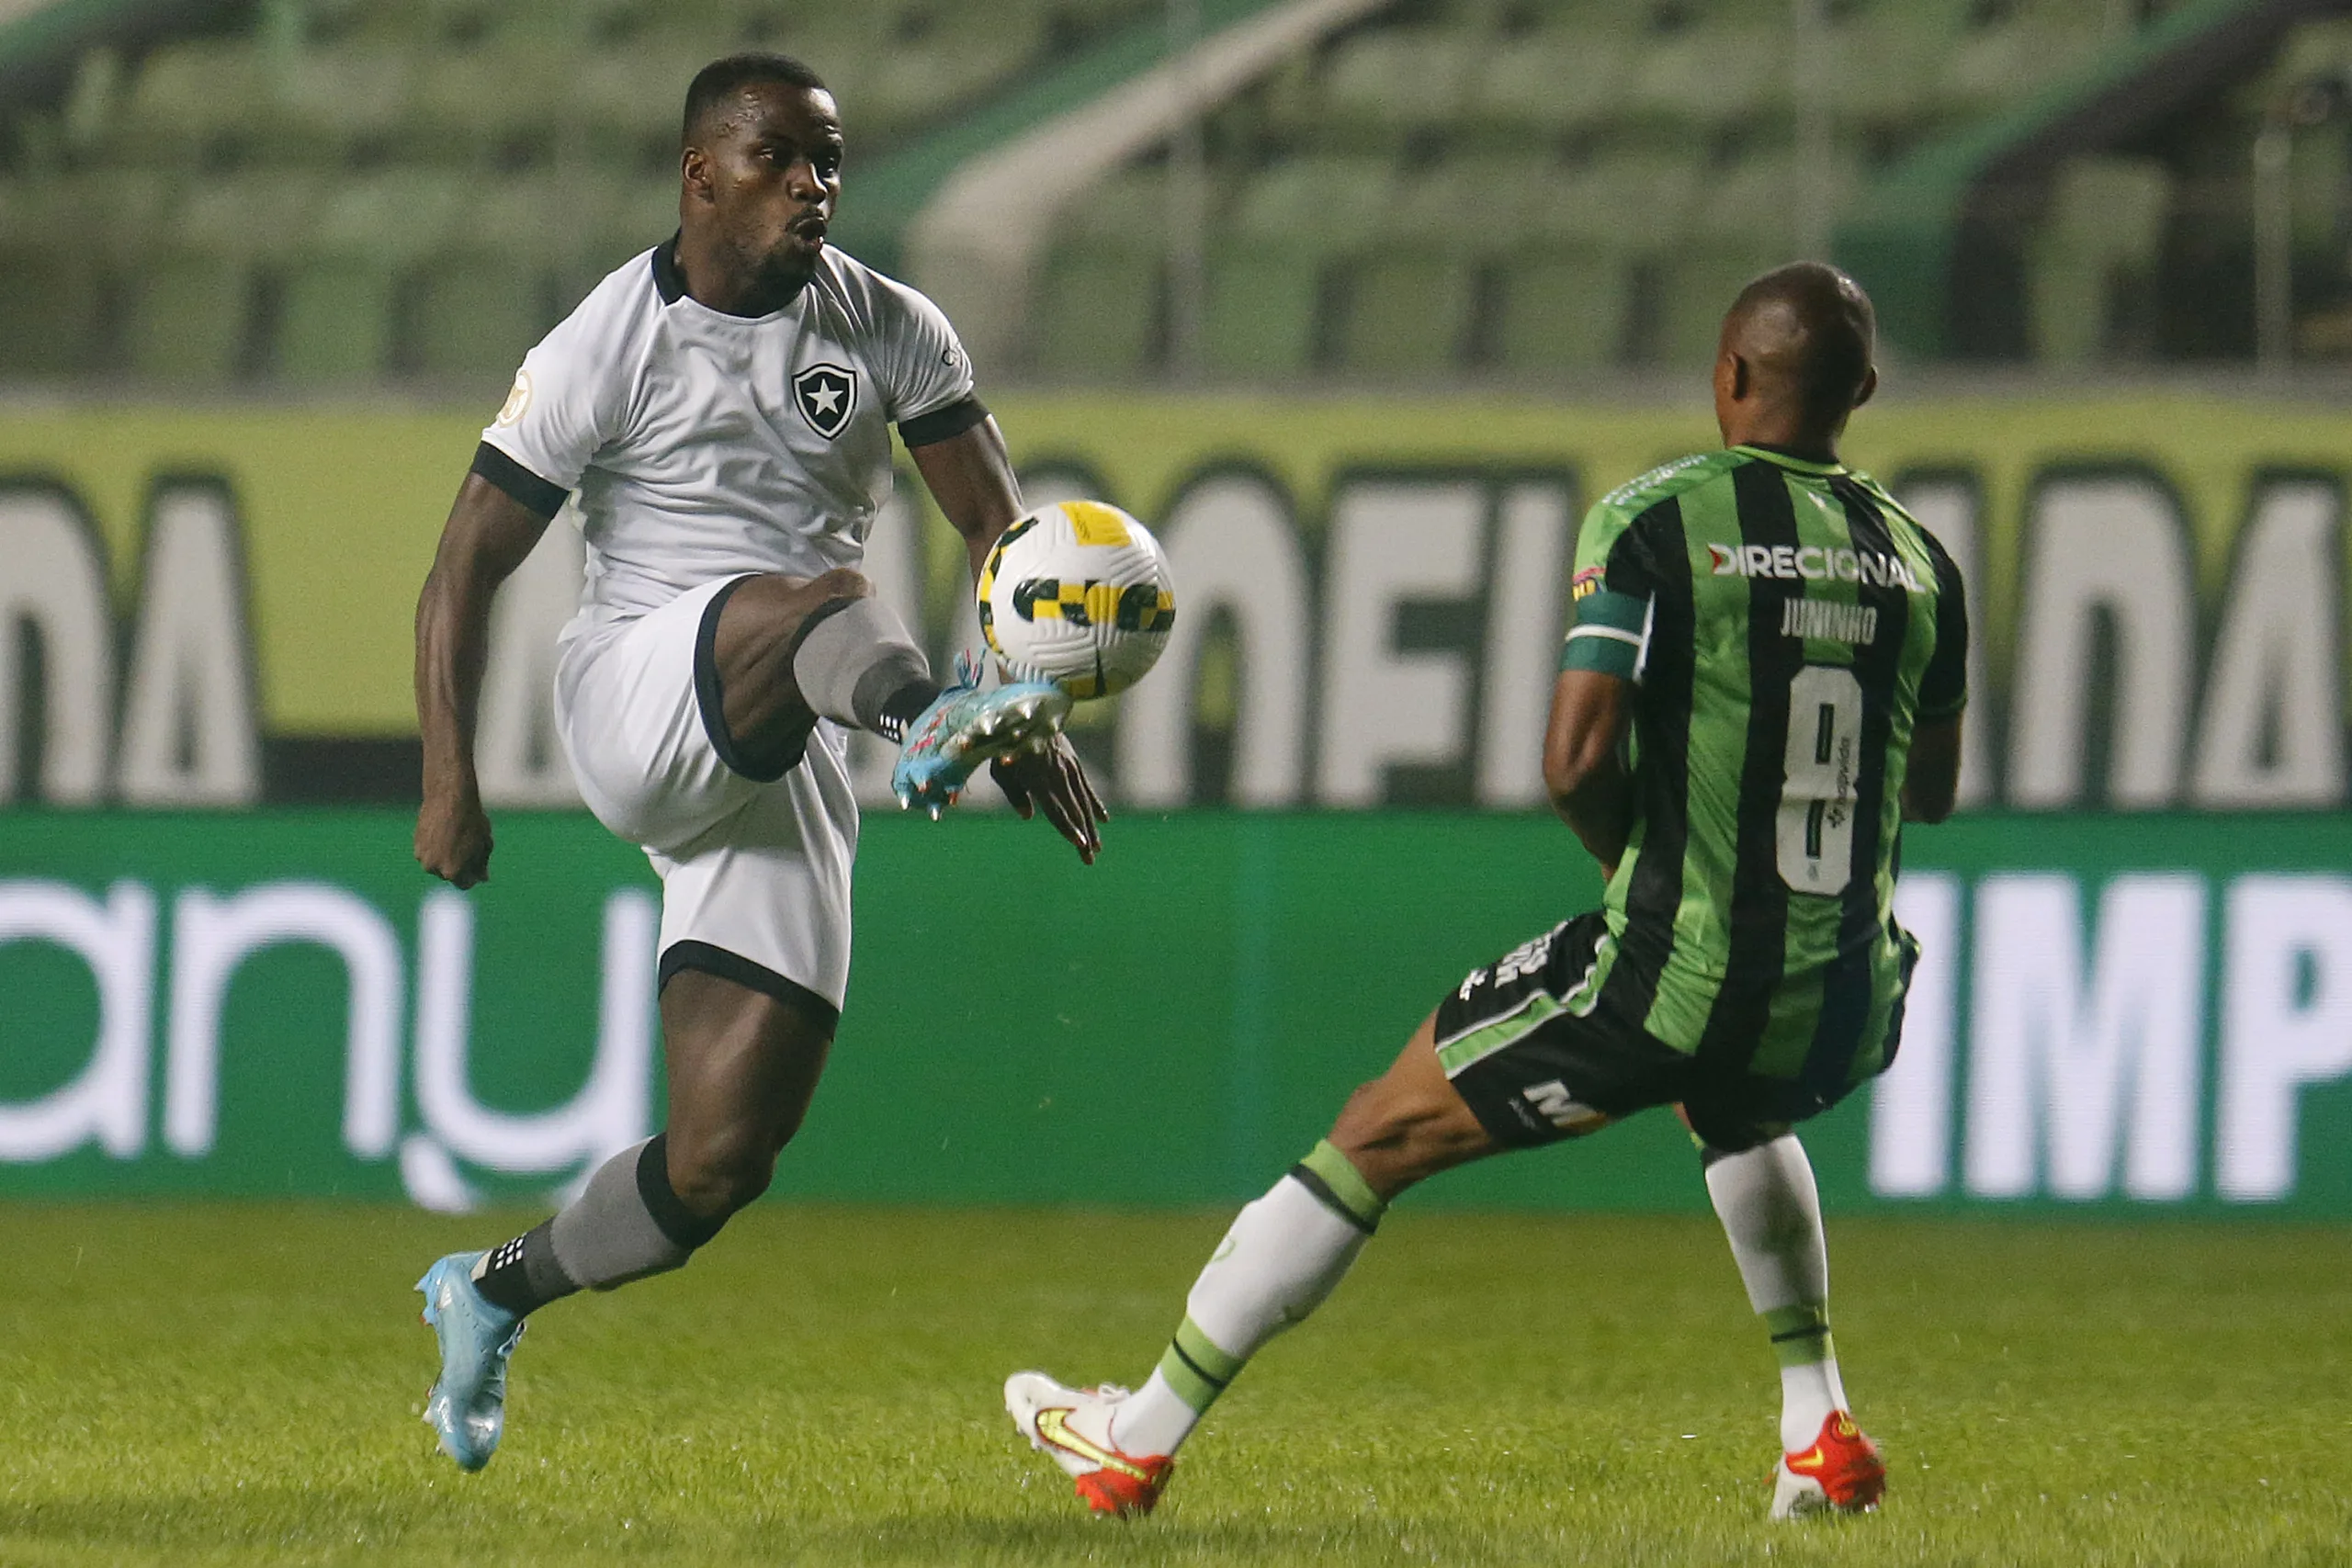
x,y
1787,459
667,279
670,282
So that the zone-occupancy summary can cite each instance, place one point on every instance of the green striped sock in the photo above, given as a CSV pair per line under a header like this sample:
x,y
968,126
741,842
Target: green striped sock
x,y
1197,1369
1326,1173
1195,1366
1800,1335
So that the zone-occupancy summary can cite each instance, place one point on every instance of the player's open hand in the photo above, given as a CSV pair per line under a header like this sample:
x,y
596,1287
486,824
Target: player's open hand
x,y
453,838
1052,781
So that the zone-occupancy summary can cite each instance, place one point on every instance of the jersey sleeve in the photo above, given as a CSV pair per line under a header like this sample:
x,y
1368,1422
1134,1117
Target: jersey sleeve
x,y
568,399
922,363
1943,685
1613,596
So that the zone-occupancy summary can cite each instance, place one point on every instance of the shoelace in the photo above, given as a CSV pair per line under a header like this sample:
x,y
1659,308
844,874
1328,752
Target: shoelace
x,y
968,670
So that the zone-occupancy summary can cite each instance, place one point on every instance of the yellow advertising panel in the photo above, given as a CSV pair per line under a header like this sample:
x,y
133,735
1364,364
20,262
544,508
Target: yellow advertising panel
x,y
2102,533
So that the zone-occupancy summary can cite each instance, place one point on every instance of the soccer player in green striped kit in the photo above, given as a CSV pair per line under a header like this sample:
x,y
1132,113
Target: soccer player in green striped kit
x,y
1763,682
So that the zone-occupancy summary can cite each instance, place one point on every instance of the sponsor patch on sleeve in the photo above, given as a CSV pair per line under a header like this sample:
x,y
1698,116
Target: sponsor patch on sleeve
x,y
1585,582
518,398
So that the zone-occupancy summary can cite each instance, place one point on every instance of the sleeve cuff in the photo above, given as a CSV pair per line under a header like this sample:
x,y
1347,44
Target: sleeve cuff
x,y
1938,712
944,423
541,498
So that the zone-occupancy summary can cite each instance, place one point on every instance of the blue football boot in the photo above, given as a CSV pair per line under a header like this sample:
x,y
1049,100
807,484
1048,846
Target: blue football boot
x,y
467,1408
964,727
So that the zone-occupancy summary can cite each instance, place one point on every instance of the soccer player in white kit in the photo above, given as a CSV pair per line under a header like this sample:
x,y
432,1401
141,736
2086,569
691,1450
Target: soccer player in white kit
x,y
721,406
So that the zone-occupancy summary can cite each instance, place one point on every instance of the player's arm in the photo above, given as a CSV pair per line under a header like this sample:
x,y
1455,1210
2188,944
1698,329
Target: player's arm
x,y
1931,784
1584,761
1931,779
1585,771
487,535
970,475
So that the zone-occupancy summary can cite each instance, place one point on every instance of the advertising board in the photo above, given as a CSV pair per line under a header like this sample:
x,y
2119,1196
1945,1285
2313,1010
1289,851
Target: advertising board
x,y
2144,1014
213,607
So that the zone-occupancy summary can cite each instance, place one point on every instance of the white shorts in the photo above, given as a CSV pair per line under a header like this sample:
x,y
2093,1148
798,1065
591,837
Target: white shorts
x,y
755,872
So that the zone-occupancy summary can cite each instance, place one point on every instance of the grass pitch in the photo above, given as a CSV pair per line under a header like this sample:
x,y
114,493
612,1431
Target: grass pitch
x,y
239,1385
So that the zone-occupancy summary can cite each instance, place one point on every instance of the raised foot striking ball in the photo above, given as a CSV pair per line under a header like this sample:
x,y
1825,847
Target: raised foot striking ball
x,y
1078,593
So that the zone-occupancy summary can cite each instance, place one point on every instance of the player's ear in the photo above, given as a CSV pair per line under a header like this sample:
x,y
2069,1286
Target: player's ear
x,y
1870,387
693,173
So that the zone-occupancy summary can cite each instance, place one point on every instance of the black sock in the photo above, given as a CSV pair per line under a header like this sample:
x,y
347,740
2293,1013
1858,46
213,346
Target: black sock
x,y
522,1275
905,706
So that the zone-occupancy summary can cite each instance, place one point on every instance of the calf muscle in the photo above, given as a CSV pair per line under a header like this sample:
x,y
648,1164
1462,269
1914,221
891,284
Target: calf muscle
x,y
758,627
743,1067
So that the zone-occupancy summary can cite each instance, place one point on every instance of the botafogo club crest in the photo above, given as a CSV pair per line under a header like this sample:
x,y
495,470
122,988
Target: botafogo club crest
x,y
827,395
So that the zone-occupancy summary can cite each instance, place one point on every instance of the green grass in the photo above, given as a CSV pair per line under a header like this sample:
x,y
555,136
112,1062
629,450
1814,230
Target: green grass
x,y
239,1385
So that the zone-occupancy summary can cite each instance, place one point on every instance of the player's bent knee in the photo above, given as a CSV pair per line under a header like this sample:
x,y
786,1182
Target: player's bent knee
x,y
841,582
1397,1135
714,1176
777,605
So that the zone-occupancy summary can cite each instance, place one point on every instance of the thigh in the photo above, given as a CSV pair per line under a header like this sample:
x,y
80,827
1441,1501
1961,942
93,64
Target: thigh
x,y
630,711
1733,1113
765,896
1528,1044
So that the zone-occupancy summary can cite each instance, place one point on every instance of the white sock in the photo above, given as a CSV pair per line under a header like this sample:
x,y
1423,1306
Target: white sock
x,y
1282,1256
1771,1211
1808,1394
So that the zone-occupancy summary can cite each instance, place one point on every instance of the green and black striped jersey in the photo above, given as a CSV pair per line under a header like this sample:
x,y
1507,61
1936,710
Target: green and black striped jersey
x,y
1787,624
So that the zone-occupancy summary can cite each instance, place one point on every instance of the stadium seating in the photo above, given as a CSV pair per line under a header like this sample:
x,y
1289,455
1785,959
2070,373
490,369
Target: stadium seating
x,y
188,315
1555,186
1562,308
342,190
1405,314
1260,316
335,322
2096,248
349,189
50,315
1110,279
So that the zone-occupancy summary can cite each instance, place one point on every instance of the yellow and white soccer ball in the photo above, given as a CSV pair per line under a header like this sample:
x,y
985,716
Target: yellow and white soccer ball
x,y
1078,593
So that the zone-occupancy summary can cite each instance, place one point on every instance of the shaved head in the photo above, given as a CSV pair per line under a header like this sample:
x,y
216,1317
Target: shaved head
x,y
1796,355
716,96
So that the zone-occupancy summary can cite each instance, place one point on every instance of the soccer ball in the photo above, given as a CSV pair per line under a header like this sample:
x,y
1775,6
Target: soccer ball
x,y
1077,593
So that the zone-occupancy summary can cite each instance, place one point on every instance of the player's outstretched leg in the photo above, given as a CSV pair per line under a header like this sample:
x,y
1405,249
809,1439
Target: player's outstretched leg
x,y
1282,1256
1772,1214
790,650
742,1067
969,725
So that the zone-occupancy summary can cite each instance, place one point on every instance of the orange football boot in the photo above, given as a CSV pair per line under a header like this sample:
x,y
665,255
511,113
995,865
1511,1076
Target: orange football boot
x,y
1841,1473
1072,1426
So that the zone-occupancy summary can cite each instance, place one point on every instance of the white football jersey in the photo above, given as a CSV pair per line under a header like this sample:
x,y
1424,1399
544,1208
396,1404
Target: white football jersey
x,y
703,446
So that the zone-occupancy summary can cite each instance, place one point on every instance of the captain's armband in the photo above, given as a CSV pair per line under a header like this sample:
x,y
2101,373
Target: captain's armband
x,y
1611,635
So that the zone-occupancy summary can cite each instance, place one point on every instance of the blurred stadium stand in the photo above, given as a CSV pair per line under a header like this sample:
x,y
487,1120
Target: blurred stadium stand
x,y
305,193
